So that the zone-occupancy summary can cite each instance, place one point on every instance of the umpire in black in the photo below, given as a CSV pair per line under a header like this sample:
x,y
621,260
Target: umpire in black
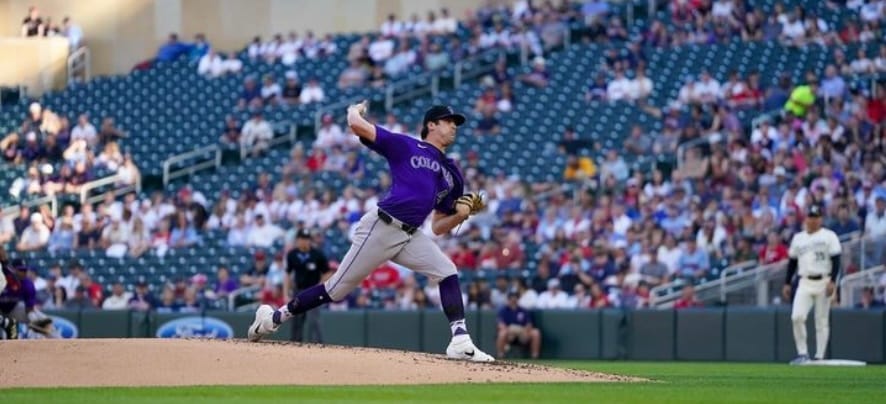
x,y
305,267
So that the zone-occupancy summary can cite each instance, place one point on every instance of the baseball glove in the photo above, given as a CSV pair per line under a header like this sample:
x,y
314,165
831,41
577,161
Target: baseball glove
x,y
476,202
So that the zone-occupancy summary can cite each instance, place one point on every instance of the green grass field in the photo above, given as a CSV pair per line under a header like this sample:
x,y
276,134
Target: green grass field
x,y
671,382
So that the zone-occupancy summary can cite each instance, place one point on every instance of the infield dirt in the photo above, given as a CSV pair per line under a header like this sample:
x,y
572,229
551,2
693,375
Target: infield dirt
x,y
189,362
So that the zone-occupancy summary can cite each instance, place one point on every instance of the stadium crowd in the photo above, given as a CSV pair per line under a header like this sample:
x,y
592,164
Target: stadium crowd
x,y
61,158
601,238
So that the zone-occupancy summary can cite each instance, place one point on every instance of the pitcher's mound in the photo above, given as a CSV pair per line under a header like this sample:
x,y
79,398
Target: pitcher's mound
x,y
171,362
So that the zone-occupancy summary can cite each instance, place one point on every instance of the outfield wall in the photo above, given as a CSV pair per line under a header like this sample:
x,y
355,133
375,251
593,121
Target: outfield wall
x,y
715,334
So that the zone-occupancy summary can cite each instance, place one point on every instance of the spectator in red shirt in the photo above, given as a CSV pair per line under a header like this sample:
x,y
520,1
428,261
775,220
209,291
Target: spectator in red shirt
x,y
93,290
599,299
877,106
774,250
463,257
384,277
273,296
510,255
317,160
687,300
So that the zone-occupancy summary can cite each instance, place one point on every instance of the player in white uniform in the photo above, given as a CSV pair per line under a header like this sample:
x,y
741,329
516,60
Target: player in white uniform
x,y
814,256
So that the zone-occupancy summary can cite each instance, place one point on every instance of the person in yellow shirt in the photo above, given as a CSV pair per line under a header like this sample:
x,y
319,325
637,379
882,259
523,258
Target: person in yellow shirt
x,y
578,168
802,97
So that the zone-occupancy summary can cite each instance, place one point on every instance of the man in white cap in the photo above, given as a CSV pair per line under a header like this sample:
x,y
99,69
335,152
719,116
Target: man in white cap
x,y
115,236
553,298
35,236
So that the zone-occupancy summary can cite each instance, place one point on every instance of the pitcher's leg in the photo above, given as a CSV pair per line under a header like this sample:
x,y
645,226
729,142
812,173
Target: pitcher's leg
x,y
422,255
374,242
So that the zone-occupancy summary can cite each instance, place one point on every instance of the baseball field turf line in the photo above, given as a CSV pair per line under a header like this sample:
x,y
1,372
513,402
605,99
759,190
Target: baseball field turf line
x,y
674,383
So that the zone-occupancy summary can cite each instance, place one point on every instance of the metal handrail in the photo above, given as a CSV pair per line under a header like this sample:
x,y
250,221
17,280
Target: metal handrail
x,y
318,116
682,147
169,174
751,273
81,59
109,180
11,210
869,276
459,75
241,291
414,81
290,137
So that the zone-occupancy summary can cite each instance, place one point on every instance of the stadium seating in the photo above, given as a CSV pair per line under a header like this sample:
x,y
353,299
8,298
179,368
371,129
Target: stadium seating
x,y
170,109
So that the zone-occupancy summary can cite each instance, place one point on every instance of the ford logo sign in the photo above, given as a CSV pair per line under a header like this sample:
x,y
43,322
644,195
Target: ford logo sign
x,y
64,328
61,328
195,327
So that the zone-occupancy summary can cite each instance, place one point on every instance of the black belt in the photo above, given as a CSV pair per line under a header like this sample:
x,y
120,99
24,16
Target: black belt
x,y
814,277
409,229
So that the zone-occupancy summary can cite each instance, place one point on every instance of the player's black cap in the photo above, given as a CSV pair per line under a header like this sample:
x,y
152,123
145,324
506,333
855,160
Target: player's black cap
x,y
438,112
814,210
303,233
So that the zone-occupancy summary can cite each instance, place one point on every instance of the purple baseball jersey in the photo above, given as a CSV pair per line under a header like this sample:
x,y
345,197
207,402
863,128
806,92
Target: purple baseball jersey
x,y
17,290
422,177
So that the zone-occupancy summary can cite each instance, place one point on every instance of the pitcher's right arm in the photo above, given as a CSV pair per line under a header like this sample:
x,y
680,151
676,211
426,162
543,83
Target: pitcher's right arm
x,y
358,124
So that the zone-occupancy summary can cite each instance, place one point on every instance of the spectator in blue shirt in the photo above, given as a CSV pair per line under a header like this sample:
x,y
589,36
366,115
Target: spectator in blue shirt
x,y
844,223
694,262
167,302
250,95
515,327
199,48
142,299
62,238
674,222
184,234
597,89
868,300
601,268
172,49
225,283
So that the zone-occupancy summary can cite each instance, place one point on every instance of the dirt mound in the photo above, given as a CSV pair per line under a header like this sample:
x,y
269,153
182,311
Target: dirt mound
x,y
176,362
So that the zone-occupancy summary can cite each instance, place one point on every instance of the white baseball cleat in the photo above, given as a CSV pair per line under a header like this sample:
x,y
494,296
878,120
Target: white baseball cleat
x,y
461,347
263,324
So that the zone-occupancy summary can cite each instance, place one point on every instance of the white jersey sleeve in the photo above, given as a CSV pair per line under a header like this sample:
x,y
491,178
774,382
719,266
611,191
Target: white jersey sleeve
x,y
834,245
793,248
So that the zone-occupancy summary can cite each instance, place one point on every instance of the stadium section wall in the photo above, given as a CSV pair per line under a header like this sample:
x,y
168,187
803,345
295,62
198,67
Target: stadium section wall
x,y
710,334
123,33
40,65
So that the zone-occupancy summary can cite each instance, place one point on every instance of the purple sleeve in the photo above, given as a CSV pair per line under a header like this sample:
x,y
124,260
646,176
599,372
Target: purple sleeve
x,y
390,145
29,294
447,204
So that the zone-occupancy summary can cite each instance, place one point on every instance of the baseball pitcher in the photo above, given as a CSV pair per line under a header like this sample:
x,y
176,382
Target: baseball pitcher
x,y
424,181
814,255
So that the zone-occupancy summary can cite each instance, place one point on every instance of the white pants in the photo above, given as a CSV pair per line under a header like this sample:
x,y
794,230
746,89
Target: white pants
x,y
376,242
809,293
